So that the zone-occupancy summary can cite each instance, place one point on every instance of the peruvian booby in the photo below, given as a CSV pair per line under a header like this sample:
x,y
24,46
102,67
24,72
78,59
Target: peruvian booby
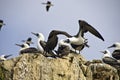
x,y
108,59
4,57
41,45
28,41
64,48
48,5
1,24
53,39
78,41
41,41
79,47
25,48
116,52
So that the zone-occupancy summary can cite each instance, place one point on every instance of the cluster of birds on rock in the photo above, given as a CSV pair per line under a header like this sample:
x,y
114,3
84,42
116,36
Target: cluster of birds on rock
x,y
65,46
72,43
113,60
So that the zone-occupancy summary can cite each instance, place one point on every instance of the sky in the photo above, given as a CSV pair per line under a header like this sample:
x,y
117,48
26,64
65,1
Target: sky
x,y
25,16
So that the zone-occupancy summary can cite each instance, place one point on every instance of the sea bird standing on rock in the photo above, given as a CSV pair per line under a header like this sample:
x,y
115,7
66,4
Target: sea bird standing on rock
x,y
116,52
78,41
108,59
48,5
4,57
53,39
64,48
41,41
25,48
1,24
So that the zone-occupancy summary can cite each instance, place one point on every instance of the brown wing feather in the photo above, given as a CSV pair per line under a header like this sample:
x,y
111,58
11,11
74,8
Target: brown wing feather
x,y
94,32
43,44
116,54
85,27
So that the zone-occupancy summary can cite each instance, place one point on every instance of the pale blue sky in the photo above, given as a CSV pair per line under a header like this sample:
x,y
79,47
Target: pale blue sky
x,y
25,16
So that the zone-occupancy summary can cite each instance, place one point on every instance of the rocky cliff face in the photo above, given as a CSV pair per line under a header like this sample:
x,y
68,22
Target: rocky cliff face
x,y
71,67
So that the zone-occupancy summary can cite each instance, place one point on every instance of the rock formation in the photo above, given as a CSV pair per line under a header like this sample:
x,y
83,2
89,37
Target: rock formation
x,y
71,67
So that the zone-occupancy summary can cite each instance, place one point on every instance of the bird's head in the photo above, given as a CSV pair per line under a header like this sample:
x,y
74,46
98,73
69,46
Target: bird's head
x,y
39,35
28,41
106,53
115,45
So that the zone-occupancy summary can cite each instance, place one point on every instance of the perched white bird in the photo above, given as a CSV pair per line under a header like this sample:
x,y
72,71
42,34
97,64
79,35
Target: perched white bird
x,y
116,52
4,57
25,48
108,59
78,42
40,42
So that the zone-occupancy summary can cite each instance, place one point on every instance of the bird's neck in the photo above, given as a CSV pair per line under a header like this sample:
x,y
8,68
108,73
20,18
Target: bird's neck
x,y
2,58
41,39
25,47
117,48
39,47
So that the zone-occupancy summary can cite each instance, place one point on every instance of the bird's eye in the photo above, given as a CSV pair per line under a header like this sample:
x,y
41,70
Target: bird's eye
x,y
29,39
22,46
105,51
37,34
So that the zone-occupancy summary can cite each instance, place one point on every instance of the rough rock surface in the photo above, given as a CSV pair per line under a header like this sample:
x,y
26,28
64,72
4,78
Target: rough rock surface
x,y
71,67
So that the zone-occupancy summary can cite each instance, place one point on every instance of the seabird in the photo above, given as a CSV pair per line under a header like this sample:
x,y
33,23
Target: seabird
x,y
78,41
53,39
48,5
41,41
4,57
108,59
25,48
79,47
1,24
28,41
116,52
64,48
41,45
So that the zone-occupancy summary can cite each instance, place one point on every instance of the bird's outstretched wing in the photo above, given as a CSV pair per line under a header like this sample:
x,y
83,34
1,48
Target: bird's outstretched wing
x,y
57,32
85,27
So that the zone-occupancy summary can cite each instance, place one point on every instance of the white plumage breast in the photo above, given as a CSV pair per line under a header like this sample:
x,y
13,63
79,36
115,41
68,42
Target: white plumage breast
x,y
77,41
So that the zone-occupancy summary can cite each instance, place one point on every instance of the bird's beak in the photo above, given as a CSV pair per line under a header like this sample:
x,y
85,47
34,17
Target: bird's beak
x,y
102,51
18,45
34,33
112,46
